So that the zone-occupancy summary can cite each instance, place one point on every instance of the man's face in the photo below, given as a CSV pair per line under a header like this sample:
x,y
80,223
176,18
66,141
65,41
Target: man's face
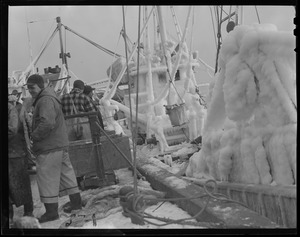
x,y
34,90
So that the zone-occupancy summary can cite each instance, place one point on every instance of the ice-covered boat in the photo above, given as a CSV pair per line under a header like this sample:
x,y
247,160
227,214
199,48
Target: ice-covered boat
x,y
249,133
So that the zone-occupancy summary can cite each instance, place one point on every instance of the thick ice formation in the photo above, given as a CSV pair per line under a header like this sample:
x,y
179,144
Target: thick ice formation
x,y
250,131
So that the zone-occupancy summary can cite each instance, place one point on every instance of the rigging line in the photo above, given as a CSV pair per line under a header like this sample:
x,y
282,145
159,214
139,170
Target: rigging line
x,y
223,11
137,100
205,64
108,94
39,21
214,30
26,74
257,14
154,29
74,74
93,43
220,21
28,35
47,36
65,40
182,41
242,15
219,39
229,16
129,86
178,30
192,30
236,15
114,56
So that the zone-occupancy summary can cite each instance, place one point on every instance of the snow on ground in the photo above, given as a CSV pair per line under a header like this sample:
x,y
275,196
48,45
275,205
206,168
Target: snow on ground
x,y
250,130
167,210
114,220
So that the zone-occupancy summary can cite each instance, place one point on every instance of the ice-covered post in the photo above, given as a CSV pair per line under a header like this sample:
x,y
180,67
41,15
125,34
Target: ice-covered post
x,y
149,85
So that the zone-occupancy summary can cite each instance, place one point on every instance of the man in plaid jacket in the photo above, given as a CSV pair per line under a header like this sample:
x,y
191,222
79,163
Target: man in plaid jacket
x,y
81,102
73,103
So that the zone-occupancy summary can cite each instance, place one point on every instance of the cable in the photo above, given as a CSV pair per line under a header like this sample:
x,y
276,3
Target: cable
x,y
126,53
219,37
257,14
192,31
229,18
137,102
214,30
93,43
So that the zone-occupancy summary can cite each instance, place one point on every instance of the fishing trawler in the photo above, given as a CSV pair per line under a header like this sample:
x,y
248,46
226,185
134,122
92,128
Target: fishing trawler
x,y
162,100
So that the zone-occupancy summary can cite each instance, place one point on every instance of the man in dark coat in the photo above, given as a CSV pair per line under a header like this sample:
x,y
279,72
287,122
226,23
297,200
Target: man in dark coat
x,y
19,181
55,173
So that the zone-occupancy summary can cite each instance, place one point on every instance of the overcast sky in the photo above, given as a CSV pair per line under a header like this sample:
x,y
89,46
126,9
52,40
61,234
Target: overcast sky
x,y
102,24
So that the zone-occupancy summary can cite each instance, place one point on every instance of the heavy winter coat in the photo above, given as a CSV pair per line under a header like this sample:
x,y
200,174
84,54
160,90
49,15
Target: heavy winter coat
x,y
16,139
49,132
19,182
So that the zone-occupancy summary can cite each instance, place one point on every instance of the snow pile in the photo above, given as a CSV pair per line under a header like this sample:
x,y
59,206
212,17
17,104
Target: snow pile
x,y
250,131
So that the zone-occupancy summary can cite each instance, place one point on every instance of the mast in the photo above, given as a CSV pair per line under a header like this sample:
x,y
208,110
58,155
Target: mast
x,y
63,56
62,53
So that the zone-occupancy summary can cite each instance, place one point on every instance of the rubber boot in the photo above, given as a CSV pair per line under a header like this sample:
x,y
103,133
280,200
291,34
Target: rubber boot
x,y
75,203
51,213
28,209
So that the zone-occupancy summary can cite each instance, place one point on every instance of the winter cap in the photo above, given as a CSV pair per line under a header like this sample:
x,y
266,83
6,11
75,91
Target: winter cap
x,y
88,89
36,79
78,84
14,95
15,92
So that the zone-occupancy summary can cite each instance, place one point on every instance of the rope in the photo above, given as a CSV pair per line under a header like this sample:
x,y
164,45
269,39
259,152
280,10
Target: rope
x,y
93,43
65,42
236,15
171,82
137,102
192,31
242,15
177,59
126,53
40,21
47,34
257,14
28,35
229,14
178,30
114,57
222,10
26,74
110,93
214,30
219,36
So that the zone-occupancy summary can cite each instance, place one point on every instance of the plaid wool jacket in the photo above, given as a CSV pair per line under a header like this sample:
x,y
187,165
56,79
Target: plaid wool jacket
x,y
80,100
